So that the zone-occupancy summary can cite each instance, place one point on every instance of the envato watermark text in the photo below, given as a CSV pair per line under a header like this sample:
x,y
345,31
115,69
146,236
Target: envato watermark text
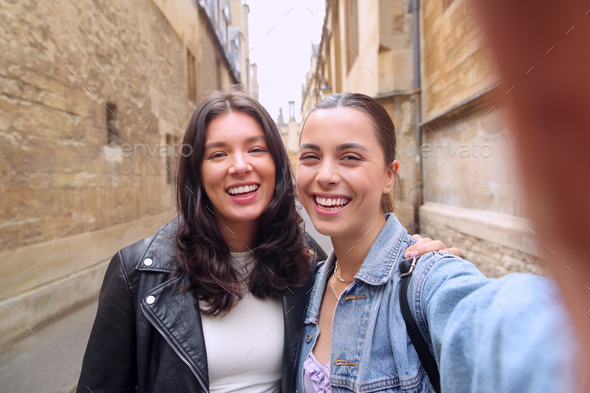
x,y
127,150
472,150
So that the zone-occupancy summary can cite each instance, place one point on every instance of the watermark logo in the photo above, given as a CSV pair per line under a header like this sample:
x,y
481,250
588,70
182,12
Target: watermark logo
x,y
464,150
127,150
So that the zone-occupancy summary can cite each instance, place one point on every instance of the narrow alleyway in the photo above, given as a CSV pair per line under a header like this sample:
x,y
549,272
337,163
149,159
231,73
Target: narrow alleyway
x,y
50,360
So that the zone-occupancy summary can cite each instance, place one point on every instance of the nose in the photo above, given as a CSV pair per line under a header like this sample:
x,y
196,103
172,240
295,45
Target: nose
x,y
240,165
327,175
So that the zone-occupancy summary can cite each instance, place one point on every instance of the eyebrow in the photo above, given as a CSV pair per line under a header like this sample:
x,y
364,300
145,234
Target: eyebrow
x,y
251,139
342,146
311,146
351,145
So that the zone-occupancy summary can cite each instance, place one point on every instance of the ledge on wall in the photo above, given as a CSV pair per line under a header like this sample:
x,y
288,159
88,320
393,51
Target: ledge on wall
x,y
498,228
477,101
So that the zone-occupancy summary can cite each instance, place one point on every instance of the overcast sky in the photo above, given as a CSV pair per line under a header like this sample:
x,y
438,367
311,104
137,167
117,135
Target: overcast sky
x,y
281,34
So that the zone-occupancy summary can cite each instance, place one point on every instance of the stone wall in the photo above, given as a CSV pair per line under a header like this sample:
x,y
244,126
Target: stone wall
x,y
468,164
396,71
455,61
73,192
363,76
496,244
54,111
404,190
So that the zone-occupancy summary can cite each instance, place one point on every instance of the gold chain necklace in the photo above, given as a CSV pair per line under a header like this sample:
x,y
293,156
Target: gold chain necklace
x,y
336,269
335,275
332,286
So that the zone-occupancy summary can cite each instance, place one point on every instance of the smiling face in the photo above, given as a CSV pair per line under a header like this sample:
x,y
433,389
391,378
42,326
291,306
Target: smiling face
x,y
341,173
237,172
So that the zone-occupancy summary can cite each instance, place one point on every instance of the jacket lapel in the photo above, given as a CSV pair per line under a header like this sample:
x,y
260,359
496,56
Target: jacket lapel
x,y
172,312
294,309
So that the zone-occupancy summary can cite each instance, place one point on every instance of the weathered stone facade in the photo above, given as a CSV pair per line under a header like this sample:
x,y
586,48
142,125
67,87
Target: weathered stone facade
x,y
91,92
478,175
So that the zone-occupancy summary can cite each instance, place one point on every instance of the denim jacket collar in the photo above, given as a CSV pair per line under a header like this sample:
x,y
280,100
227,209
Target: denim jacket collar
x,y
373,271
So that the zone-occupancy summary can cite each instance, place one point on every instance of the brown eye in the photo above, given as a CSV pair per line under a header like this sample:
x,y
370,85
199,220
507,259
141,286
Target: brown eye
x,y
351,157
308,156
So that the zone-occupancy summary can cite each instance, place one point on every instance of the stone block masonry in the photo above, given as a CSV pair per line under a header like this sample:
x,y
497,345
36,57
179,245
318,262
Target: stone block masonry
x,y
79,79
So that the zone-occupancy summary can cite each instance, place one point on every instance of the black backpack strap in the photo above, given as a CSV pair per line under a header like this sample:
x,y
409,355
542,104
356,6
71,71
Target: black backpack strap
x,y
406,268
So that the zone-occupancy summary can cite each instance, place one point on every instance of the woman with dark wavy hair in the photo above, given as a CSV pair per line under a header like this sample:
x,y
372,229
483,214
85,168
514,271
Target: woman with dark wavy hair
x,y
215,300
261,220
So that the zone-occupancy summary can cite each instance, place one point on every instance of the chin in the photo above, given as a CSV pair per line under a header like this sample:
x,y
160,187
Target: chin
x,y
248,217
331,229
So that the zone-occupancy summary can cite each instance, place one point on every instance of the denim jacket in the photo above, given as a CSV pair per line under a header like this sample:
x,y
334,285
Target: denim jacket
x,y
510,334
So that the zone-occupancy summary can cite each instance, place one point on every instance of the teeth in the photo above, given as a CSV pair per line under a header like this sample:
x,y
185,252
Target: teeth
x,y
243,189
331,201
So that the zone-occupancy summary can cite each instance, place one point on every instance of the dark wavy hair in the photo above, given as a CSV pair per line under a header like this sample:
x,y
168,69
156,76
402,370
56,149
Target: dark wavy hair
x,y
384,128
280,249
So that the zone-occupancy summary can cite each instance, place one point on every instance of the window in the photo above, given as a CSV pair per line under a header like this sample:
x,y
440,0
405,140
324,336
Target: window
x,y
191,79
112,124
352,44
223,22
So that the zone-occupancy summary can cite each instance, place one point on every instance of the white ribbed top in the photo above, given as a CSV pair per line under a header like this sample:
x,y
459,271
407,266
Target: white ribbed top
x,y
245,346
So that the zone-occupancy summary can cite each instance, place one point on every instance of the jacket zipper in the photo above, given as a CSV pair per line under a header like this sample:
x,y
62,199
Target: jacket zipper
x,y
185,360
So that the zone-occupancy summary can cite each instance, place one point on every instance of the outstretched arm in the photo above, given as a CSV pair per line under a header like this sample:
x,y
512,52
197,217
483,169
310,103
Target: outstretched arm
x,y
548,109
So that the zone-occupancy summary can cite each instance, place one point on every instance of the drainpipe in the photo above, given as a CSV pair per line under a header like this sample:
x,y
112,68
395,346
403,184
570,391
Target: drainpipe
x,y
414,8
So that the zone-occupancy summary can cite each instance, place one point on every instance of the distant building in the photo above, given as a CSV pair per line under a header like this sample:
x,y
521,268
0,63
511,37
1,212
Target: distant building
x,y
93,101
428,65
238,45
290,132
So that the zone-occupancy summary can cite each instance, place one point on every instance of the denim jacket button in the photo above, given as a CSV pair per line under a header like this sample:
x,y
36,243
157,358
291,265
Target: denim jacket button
x,y
308,338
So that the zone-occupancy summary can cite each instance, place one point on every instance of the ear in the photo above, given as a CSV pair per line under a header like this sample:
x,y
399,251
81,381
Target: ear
x,y
390,173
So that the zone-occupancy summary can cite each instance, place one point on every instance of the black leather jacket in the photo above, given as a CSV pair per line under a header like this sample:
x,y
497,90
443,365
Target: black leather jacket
x,y
148,337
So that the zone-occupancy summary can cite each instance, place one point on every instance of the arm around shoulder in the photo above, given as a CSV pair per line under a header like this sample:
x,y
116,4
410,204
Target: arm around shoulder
x,y
315,249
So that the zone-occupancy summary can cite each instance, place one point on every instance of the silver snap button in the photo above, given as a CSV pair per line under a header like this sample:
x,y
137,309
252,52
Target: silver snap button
x,y
148,261
308,338
150,299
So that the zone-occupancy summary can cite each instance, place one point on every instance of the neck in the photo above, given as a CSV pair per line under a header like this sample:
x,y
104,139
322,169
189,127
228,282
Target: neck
x,y
239,237
352,249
